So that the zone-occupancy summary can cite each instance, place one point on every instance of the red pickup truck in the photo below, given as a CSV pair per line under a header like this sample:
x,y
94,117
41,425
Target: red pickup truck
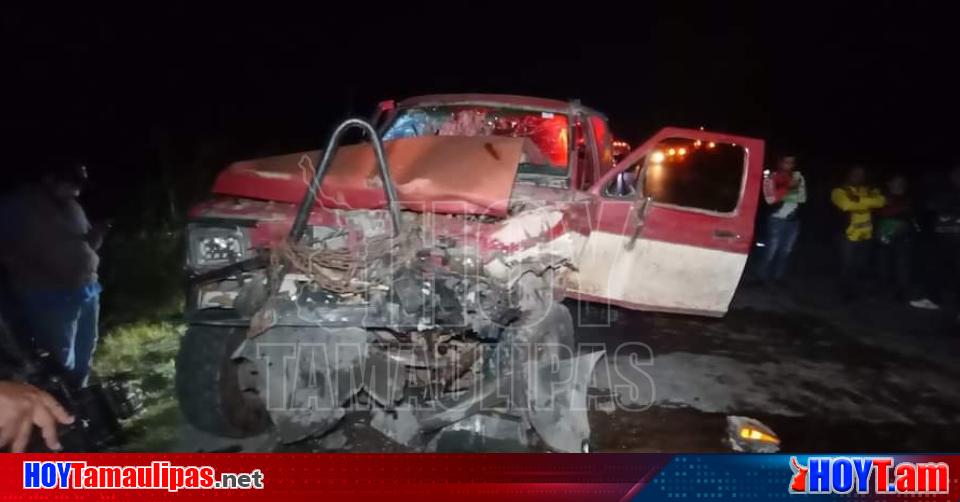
x,y
438,248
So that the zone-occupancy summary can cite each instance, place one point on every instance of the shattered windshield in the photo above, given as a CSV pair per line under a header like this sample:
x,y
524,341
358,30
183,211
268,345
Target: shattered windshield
x,y
547,131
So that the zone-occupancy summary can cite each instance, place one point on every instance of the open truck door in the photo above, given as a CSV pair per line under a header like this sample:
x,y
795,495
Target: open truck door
x,y
673,224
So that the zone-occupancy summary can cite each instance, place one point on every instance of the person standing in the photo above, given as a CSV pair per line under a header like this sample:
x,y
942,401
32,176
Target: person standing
x,y
856,200
49,252
946,228
784,191
895,230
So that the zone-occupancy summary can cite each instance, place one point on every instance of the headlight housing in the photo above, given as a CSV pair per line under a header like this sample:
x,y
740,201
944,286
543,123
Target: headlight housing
x,y
216,246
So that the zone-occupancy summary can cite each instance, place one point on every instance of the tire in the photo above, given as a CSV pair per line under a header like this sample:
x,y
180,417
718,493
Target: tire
x,y
208,386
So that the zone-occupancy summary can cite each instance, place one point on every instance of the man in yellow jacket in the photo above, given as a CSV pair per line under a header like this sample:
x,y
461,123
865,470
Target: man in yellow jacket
x,y
856,200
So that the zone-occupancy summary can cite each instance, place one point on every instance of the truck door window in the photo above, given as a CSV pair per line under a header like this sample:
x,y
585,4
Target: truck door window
x,y
624,184
696,174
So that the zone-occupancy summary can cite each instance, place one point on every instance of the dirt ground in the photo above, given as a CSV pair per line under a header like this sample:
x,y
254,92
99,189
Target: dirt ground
x,y
873,375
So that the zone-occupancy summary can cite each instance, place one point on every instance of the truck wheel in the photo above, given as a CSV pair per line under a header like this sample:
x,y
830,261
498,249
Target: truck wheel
x,y
208,384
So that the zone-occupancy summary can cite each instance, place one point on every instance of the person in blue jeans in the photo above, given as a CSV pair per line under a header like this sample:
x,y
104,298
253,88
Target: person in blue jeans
x,y
784,191
48,249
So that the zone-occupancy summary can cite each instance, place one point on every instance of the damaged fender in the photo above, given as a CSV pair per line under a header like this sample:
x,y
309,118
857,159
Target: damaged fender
x,y
557,402
556,381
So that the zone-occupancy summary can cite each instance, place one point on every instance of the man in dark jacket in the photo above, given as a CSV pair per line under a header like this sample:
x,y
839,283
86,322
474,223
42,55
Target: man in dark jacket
x,y
895,231
946,228
49,253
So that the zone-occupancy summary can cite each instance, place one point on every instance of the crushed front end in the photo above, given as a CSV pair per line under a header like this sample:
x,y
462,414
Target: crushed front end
x,y
427,320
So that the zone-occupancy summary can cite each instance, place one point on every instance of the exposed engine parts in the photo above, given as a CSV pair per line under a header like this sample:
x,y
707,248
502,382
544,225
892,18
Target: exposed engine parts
x,y
391,322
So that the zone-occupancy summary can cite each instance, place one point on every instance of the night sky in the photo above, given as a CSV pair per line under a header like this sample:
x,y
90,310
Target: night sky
x,y
133,93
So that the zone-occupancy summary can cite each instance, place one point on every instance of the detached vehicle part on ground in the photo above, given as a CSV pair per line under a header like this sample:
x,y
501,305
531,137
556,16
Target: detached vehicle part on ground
x,y
419,274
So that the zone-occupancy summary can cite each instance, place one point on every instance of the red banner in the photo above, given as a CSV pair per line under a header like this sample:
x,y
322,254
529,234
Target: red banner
x,y
294,477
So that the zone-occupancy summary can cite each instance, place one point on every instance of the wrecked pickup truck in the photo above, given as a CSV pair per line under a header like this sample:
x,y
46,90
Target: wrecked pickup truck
x,y
418,275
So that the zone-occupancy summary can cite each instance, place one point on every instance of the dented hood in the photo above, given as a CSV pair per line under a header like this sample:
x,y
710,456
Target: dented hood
x,y
444,174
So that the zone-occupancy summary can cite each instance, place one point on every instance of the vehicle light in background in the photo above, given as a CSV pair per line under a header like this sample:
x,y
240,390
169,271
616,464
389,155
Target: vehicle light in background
x,y
711,145
698,143
656,172
657,157
671,152
620,149
682,151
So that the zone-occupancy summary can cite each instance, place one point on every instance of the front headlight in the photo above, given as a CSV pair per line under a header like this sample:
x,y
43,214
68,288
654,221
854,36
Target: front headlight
x,y
216,246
